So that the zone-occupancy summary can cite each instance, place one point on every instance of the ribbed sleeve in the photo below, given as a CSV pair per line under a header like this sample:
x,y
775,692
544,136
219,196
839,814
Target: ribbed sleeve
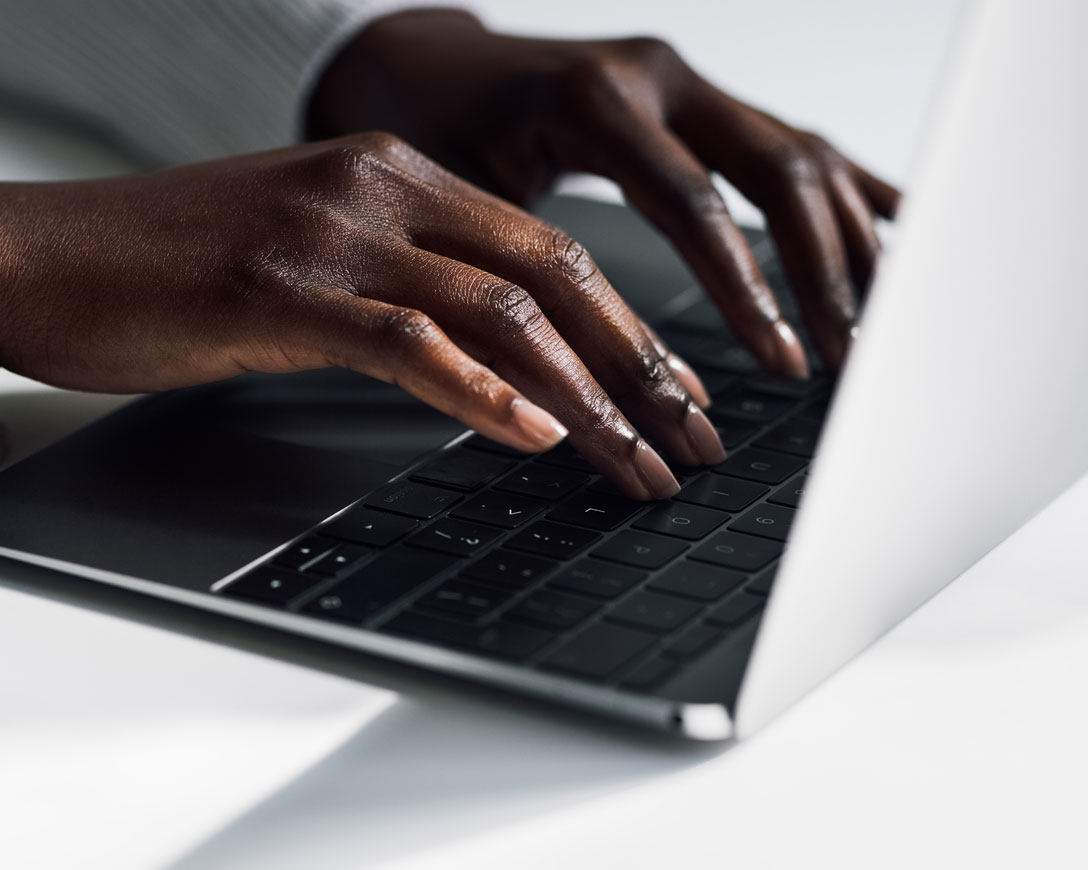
x,y
179,80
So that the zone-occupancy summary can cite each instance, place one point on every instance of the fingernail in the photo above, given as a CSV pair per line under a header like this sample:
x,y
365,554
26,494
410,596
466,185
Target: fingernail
x,y
691,381
654,472
537,426
789,353
703,437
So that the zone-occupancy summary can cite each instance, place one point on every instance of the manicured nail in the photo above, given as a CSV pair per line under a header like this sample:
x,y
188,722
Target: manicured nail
x,y
686,375
655,474
789,352
536,425
703,437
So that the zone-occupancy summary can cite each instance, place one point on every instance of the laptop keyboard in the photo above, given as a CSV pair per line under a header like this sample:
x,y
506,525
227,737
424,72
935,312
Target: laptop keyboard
x,y
538,560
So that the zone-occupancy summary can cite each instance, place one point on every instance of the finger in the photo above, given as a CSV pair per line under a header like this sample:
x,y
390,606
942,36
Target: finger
x,y
499,323
680,367
586,311
662,179
806,232
773,167
403,346
856,222
883,197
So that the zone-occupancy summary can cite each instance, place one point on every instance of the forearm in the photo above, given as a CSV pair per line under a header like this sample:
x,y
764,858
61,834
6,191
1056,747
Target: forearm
x,y
22,232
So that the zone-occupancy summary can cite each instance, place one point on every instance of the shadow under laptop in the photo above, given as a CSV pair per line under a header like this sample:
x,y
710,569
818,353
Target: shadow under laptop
x,y
422,775
445,761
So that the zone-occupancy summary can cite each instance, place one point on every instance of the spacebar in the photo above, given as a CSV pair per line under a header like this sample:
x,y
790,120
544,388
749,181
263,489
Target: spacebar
x,y
379,583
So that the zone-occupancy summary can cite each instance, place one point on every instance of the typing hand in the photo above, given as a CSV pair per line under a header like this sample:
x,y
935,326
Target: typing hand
x,y
510,113
359,253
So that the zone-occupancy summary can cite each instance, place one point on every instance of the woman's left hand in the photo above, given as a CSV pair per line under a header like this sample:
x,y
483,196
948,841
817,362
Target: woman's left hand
x,y
511,113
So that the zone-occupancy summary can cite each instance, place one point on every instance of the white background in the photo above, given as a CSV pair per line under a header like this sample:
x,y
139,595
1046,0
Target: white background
x,y
956,741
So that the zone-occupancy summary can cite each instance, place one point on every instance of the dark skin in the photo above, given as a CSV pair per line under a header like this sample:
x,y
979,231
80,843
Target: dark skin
x,y
364,253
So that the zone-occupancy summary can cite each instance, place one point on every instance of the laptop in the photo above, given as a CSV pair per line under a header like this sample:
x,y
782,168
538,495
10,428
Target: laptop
x,y
326,505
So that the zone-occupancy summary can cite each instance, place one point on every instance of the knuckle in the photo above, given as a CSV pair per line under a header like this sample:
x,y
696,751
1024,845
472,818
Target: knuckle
x,y
792,164
402,330
590,82
359,159
648,375
569,258
380,142
651,51
512,307
689,198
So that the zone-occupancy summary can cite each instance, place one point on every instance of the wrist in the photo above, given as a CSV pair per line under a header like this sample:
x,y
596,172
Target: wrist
x,y
352,82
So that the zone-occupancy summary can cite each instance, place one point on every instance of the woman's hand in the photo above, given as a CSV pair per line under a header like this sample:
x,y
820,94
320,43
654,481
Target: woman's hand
x,y
511,113
359,253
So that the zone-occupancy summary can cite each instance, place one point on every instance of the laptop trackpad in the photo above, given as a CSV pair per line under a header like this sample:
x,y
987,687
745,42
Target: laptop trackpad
x,y
186,487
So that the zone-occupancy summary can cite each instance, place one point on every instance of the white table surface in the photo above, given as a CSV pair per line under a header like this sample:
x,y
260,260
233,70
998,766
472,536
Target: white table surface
x,y
131,738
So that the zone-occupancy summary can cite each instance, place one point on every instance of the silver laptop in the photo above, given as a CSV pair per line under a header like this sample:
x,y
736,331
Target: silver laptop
x,y
328,506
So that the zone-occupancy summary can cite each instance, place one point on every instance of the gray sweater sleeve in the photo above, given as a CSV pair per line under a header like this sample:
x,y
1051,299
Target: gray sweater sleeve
x,y
178,80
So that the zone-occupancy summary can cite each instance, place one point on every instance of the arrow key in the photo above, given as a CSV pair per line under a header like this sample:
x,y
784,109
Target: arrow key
x,y
454,537
504,509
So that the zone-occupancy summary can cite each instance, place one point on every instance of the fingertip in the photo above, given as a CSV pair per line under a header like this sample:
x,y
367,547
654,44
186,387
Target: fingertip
x,y
788,353
535,428
655,474
703,437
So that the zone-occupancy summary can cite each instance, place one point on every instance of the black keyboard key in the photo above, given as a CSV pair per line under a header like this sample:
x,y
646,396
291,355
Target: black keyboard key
x,y
435,628
504,568
553,609
599,651
566,456
505,640
454,537
552,540
797,436
479,442
389,577
681,520
697,639
592,510
786,387
717,353
269,586
542,481
732,432
718,383
761,465
649,674
816,409
735,610
750,406
462,469
790,494
343,558
308,550
464,598
702,316
762,585
599,579
640,549
510,640
364,525
767,520
500,509
697,580
721,492
741,552
414,499
653,612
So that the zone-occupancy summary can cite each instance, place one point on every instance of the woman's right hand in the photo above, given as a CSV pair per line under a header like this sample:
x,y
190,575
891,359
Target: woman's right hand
x,y
359,253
